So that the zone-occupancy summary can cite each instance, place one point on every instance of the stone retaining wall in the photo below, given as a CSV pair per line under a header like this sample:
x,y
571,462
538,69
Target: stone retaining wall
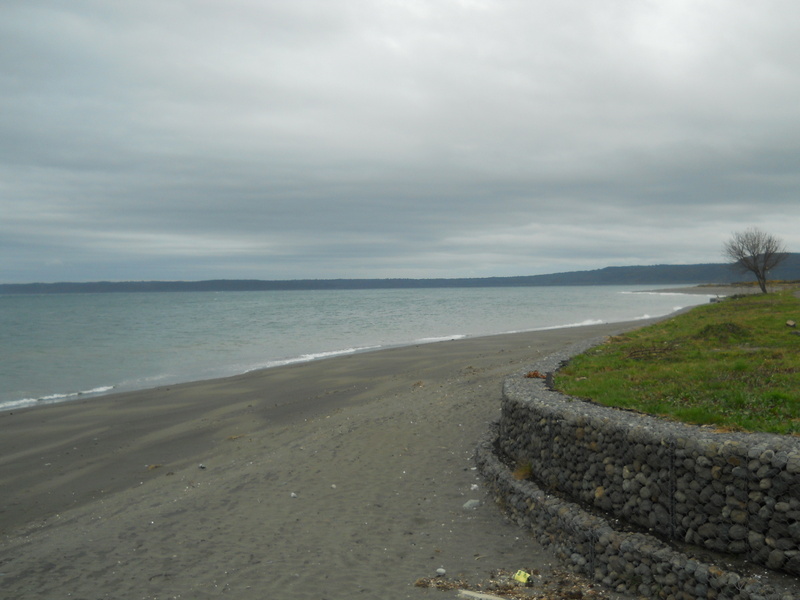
x,y
734,493
630,563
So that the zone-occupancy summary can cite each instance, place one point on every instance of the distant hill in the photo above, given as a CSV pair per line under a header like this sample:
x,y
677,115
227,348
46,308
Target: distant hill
x,y
789,270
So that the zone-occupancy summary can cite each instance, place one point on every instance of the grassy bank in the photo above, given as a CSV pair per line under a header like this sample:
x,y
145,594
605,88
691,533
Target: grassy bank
x,y
734,364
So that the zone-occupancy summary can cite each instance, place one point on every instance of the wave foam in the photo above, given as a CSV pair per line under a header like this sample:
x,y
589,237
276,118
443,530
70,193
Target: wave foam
x,y
445,338
310,357
581,324
53,398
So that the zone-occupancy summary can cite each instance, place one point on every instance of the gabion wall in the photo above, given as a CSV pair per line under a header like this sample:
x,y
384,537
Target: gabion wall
x,y
628,562
735,493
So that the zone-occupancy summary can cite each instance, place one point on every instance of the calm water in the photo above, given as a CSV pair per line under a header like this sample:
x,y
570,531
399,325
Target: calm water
x,y
59,347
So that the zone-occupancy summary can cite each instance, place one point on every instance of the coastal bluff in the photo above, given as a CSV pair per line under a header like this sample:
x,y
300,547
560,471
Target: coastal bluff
x,y
646,506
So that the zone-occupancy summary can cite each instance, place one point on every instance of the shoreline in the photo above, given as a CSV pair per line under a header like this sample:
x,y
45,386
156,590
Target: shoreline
x,y
105,389
347,475
716,289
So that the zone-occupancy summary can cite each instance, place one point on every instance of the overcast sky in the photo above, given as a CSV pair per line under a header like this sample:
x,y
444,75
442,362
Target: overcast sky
x,y
286,139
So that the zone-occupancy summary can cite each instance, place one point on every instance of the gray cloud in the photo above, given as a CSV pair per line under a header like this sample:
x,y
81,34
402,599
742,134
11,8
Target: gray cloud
x,y
146,140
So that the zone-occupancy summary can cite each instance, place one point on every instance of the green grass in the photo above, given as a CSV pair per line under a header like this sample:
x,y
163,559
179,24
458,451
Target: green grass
x,y
733,364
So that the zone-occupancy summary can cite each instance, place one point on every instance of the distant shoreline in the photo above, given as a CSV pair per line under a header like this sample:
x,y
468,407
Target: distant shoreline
x,y
716,274
711,289
108,287
715,289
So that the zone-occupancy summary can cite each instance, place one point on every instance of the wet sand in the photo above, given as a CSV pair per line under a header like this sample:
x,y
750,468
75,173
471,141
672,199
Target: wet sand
x,y
340,478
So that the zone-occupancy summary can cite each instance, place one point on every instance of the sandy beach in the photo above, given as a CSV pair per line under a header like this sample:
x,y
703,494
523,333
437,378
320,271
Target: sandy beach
x,y
340,478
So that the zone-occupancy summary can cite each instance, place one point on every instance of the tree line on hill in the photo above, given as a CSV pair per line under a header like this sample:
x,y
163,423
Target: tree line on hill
x,y
711,273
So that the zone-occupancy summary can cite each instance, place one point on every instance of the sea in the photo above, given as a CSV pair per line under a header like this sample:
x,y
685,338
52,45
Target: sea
x,y
61,347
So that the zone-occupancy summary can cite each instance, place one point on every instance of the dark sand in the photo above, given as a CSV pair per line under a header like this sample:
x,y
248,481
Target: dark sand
x,y
341,478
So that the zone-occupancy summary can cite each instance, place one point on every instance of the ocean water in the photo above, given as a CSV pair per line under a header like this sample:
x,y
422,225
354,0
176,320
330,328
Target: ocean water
x,y
59,347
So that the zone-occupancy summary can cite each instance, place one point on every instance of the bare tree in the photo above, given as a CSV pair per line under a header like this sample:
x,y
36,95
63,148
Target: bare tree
x,y
755,251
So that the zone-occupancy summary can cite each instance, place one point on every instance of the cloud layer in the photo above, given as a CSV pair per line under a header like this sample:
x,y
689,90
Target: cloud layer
x,y
314,139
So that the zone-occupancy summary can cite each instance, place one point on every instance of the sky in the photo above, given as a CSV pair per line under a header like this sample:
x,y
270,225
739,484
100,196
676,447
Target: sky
x,y
321,139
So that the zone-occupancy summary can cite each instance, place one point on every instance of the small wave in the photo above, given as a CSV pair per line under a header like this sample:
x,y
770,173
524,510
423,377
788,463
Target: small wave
x,y
310,357
53,398
13,404
98,390
147,381
446,338
581,324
